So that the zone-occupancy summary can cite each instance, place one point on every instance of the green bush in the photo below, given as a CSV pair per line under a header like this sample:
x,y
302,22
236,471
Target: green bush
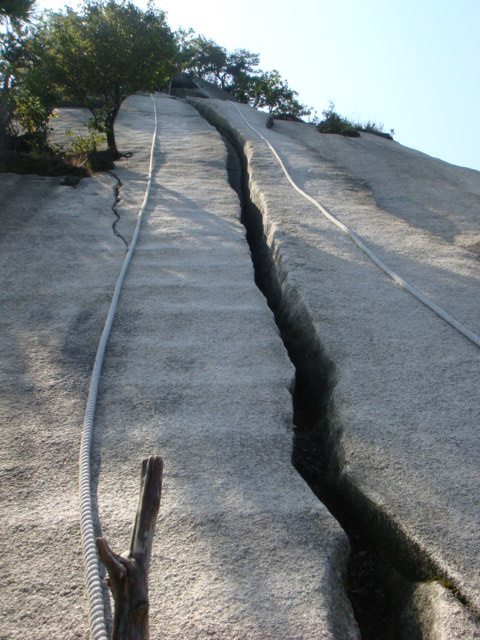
x,y
31,113
85,151
334,123
85,144
376,129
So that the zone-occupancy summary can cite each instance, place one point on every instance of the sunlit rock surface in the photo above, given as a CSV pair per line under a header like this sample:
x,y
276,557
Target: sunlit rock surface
x,y
403,412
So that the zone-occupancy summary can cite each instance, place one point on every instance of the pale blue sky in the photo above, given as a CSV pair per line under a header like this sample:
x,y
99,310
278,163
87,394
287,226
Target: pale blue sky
x,y
411,64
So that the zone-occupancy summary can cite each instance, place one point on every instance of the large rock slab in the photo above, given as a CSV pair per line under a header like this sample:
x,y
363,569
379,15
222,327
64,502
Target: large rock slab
x,y
195,371
403,412
59,260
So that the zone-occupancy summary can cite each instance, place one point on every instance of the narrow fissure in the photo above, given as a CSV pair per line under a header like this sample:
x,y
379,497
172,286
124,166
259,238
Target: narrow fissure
x,y
116,191
376,591
386,566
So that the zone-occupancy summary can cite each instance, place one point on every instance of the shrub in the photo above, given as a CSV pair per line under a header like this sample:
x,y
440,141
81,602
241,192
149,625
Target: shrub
x,y
31,113
29,155
376,129
85,144
85,151
334,123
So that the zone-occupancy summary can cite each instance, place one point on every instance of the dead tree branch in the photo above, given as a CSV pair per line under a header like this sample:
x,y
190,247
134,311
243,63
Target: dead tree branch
x,y
128,576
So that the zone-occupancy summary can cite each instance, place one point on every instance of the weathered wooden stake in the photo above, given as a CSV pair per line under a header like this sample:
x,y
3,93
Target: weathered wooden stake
x,y
128,575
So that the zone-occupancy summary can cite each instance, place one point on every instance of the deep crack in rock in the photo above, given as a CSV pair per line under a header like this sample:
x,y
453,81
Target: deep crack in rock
x,y
376,598
396,589
116,190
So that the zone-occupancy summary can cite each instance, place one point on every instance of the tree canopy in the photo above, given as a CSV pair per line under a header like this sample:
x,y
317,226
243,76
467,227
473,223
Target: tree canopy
x,y
237,72
16,10
14,15
269,90
212,62
104,53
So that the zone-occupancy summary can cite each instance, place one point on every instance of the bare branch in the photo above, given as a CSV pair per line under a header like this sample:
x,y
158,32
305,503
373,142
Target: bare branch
x,y
128,576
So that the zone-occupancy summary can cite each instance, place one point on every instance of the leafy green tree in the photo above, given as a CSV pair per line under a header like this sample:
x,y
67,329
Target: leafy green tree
x,y
270,91
14,17
240,64
212,62
237,72
16,10
104,53
204,58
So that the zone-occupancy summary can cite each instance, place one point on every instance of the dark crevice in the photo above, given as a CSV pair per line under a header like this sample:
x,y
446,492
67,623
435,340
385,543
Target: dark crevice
x,y
377,591
314,380
116,191
386,565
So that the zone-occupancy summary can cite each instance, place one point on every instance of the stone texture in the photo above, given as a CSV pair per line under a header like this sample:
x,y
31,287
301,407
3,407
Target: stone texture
x,y
195,371
434,613
404,411
59,260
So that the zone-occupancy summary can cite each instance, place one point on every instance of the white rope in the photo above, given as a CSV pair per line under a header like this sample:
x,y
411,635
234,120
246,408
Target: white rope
x,y
94,586
465,331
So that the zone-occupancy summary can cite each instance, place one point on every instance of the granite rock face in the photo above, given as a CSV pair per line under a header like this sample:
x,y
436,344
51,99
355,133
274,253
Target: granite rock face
x,y
59,261
195,371
400,409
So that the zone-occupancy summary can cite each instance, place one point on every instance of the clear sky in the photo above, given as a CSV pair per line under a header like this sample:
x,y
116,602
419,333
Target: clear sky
x,y
413,65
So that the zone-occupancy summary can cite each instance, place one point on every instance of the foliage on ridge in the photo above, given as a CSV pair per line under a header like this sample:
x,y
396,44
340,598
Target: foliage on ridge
x,y
334,123
106,50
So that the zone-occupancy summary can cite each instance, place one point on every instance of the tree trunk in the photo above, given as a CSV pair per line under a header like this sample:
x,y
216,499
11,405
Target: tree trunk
x,y
3,144
128,576
4,117
110,133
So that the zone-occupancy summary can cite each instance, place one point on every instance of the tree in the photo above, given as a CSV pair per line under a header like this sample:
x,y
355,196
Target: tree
x,y
237,72
16,10
104,53
241,65
270,91
242,61
203,58
212,62
14,15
